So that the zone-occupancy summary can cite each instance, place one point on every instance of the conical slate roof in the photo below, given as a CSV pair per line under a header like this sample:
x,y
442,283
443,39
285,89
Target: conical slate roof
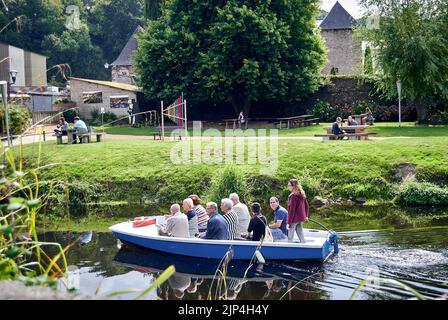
x,y
124,59
338,18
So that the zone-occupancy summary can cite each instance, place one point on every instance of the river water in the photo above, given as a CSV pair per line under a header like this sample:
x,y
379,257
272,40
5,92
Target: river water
x,y
416,258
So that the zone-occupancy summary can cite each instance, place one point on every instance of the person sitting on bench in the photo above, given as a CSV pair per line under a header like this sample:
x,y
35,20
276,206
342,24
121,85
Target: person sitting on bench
x,y
80,127
351,121
336,129
368,119
62,127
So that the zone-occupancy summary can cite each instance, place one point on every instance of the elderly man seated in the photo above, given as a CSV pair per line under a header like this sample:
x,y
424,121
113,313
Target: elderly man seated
x,y
216,225
176,225
233,224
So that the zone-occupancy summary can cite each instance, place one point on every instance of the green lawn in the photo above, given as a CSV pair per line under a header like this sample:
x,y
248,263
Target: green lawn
x,y
384,129
136,170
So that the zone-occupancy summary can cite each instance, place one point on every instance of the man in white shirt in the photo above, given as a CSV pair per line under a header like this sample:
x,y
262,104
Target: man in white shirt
x,y
176,225
242,212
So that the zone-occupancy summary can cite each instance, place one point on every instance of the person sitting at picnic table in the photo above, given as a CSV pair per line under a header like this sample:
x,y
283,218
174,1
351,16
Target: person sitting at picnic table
x,y
257,225
336,129
368,119
176,224
241,119
216,225
62,127
193,228
80,127
200,212
351,121
278,229
298,210
233,225
242,212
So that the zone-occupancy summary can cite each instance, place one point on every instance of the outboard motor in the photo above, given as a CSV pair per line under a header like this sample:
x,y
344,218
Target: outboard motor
x,y
334,241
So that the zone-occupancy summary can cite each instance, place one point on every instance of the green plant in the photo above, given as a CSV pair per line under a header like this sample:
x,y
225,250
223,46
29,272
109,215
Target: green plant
x,y
22,255
99,119
70,115
422,193
62,101
18,119
228,181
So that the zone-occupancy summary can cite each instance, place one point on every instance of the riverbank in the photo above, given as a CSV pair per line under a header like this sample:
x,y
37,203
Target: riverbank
x,y
141,170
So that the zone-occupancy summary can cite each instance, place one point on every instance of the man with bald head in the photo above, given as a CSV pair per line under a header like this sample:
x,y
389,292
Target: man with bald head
x,y
176,225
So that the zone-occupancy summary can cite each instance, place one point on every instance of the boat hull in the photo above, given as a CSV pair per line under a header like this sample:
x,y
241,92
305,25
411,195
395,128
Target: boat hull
x,y
318,247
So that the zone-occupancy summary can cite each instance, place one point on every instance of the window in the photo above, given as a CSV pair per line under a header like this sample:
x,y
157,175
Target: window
x,y
119,102
92,97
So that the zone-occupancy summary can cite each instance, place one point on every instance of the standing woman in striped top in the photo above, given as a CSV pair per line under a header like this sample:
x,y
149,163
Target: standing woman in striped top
x,y
298,210
233,225
200,212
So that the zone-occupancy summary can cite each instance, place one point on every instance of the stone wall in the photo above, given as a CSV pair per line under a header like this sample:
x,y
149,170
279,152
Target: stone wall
x,y
78,87
344,53
123,74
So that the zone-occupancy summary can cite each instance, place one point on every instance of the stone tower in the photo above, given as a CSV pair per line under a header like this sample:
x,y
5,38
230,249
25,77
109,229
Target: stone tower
x,y
345,54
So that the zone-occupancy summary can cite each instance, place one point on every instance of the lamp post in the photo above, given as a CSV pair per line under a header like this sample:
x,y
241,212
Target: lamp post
x,y
5,97
399,102
4,85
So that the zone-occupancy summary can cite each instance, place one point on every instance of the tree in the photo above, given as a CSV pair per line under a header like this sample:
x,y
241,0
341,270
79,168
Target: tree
x,y
235,52
411,44
153,9
368,62
112,22
74,47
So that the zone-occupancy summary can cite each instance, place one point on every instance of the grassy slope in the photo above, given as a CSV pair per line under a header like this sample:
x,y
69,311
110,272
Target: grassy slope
x,y
139,169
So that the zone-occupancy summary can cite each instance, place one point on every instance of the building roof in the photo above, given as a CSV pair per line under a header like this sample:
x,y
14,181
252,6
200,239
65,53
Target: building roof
x,y
125,57
338,19
115,85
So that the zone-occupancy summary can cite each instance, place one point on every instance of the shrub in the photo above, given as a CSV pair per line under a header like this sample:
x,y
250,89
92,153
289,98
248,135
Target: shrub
x,y
422,194
444,116
329,112
18,119
70,115
98,119
229,180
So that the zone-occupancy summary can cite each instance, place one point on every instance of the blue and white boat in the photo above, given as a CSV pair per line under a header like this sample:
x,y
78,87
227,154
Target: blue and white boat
x,y
319,244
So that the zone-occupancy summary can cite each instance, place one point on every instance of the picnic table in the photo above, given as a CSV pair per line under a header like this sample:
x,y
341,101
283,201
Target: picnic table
x,y
352,132
234,122
292,122
85,137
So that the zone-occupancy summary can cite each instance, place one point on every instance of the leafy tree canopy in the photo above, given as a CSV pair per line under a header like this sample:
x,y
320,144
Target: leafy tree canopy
x,y
233,51
410,44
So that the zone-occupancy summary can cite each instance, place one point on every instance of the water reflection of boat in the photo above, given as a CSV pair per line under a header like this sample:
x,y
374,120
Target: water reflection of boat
x,y
318,247
151,261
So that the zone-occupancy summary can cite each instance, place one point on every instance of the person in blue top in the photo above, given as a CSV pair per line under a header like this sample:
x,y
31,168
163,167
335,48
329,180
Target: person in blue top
x,y
278,229
216,225
80,127
336,128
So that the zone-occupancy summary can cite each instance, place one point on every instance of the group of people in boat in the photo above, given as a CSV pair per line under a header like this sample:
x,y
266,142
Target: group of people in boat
x,y
235,222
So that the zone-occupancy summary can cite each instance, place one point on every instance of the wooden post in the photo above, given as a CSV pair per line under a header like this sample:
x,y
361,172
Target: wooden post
x,y
186,123
43,135
163,123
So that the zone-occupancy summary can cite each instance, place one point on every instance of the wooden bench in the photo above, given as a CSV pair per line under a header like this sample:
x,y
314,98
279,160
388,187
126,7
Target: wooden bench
x,y
177,136
84,137
59,138
281,125
157,135
350,136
